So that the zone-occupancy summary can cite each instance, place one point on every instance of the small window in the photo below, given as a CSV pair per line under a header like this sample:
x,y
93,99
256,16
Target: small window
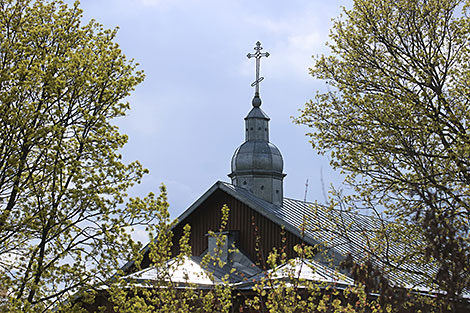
x,y
262,187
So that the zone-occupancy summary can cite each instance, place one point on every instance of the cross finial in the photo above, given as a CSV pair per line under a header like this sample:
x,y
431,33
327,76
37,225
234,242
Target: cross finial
x,y
257,55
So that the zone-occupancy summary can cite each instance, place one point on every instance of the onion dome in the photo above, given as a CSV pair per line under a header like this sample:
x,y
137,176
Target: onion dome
x,y
257,164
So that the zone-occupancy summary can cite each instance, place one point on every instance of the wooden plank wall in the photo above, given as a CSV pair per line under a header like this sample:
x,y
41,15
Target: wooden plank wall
x,y
248,222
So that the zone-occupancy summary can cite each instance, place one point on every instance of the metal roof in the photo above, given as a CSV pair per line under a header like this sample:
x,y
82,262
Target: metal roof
x,y
302,270
183,272
193,270
256,112
339,232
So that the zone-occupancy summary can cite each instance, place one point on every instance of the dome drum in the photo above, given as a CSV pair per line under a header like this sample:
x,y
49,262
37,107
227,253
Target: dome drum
x,y
256,129
266,187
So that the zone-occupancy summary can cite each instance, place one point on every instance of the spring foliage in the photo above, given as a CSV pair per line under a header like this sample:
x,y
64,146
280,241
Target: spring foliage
x,y
396,121
63,224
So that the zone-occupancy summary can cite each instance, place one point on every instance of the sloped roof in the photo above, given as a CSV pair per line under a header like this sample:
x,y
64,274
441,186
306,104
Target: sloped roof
x,y
187,271
195,271
294,214
340,232
306,270
314,223
190,271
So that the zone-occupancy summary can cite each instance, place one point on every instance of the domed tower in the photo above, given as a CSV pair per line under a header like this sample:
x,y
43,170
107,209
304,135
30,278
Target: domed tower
x,y
257,164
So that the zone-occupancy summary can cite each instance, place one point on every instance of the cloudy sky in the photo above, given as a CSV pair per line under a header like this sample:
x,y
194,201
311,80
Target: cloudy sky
x,y
187,116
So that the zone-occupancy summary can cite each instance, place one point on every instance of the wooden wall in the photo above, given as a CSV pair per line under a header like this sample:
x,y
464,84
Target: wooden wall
x,y
242,219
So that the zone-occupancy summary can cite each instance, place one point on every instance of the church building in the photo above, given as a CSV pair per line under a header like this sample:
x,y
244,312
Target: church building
x,y
262,218
258,208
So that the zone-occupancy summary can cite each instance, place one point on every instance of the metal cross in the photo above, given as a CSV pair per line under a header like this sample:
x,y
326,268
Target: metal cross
x,y
257,55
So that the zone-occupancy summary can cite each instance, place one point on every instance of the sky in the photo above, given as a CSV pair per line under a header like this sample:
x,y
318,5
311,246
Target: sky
x,y
187,117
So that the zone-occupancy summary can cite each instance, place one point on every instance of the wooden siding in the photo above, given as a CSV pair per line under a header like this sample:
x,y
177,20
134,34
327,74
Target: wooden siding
x,y
242,219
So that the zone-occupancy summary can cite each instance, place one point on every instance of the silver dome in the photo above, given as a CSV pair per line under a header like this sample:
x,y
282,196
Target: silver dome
x,y
257,164
257,156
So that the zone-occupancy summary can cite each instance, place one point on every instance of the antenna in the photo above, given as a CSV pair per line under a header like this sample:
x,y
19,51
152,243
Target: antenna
x,y
306,188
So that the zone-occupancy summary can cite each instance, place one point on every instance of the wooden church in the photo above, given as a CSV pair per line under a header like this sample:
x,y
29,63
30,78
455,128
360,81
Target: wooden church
x,y
261,219
255,197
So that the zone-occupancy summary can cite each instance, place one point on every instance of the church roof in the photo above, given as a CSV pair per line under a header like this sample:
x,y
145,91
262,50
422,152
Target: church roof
x,y
306,270
321,226
294,214
187,271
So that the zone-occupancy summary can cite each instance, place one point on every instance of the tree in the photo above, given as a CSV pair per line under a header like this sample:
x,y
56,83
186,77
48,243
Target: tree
x,y
64,226
396,121
165,291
